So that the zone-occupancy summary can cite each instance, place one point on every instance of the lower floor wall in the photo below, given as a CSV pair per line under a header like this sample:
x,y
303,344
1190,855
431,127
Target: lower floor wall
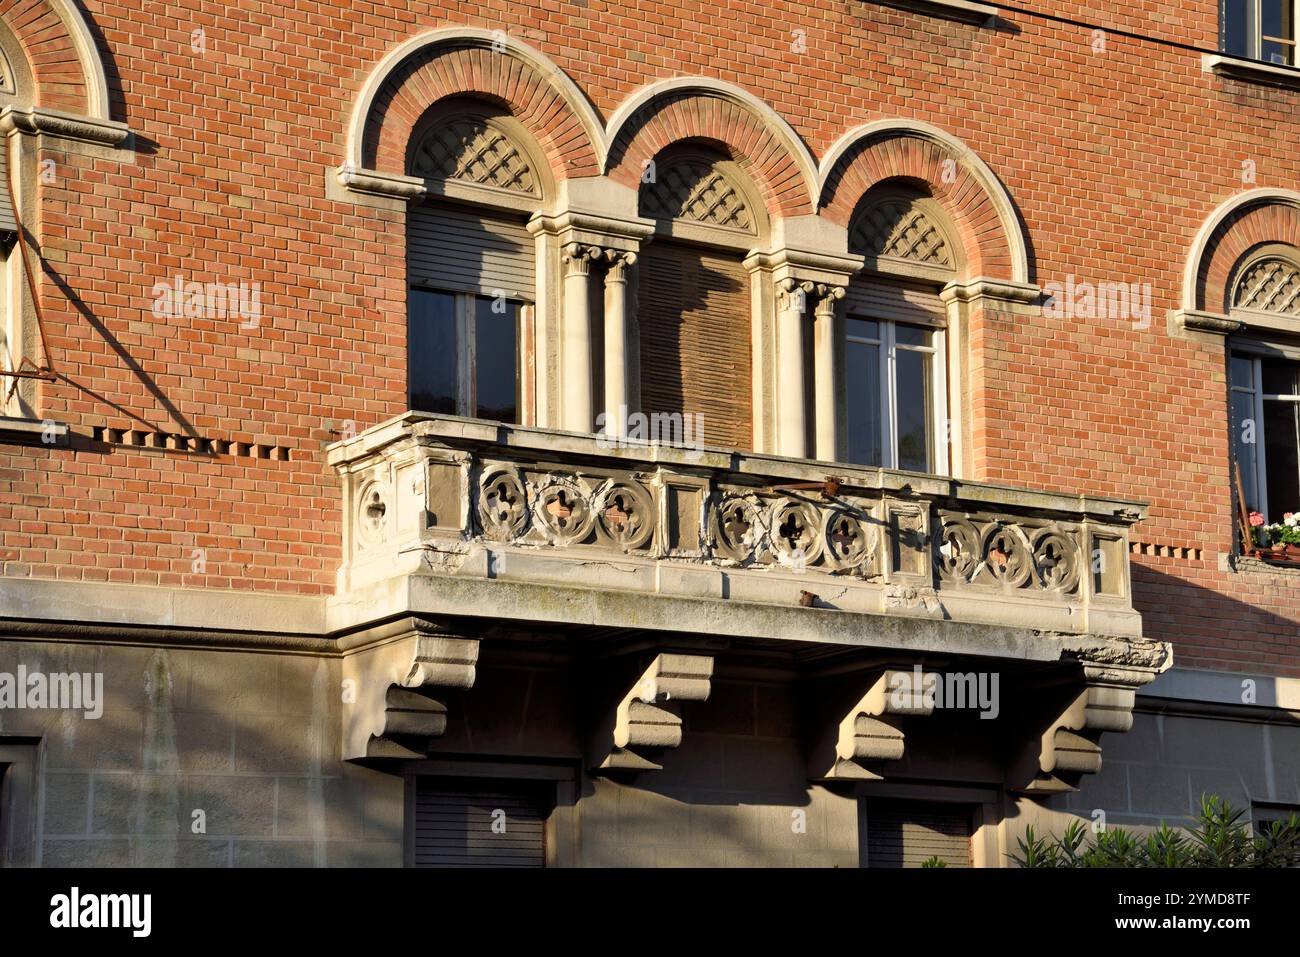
x,y
204,757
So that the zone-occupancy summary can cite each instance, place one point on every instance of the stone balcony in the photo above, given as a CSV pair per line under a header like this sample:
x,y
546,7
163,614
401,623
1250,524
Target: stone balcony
x,y
457,531
732,536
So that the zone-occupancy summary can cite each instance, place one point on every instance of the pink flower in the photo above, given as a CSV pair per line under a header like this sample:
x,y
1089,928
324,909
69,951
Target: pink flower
x,y
1256,519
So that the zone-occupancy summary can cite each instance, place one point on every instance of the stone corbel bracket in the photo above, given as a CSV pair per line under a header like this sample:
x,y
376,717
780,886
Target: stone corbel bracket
x,y
1070,747
649,715
396,691
870,731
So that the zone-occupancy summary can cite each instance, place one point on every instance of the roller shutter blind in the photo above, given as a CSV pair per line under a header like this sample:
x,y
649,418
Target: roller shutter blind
x,y
462,250
879,298
694,316
907,833
8,225
454,824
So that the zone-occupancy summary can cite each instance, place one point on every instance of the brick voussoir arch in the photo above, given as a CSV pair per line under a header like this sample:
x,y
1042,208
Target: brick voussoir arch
x,y
469,61
65,61
702,108
1240,224
974,197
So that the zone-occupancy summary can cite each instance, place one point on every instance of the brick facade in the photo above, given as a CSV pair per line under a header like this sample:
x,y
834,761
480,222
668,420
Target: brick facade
x,y
1114,152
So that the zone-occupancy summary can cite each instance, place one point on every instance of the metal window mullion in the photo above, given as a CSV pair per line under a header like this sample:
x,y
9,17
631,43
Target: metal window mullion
x,y
939,404
1261,454
889,397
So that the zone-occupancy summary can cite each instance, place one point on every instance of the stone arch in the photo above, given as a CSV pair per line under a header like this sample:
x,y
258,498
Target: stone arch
x,y
974,198
1234,231
469,61
744,127
60,47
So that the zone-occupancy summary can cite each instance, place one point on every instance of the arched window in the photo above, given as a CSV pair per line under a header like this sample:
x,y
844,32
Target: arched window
x,y
694,310
1265,378
470,261
20,350
894,348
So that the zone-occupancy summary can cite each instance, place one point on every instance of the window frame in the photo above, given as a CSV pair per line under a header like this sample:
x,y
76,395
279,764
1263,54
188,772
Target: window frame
x,y
1256,353
1255,38
888,373
466,349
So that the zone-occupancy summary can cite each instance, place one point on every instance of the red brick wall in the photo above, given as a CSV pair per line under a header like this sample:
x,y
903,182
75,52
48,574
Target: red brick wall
x,y
1114,160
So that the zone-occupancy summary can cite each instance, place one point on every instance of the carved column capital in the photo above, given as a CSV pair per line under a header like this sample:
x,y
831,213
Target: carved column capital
x,y
577,258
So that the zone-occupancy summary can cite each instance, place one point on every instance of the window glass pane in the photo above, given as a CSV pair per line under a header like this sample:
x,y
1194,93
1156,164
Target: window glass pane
x,y
1275,18
496,346
1274,52
1234,26
864,329
431,351
862,372
1281,377
1282,458
1245,438
1243,372
913,336
914,404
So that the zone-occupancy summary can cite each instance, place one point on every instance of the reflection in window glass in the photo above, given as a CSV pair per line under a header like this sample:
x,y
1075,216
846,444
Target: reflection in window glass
x,y
914,404
1280,377
1234,26
496,342
1245,438
1282,458
1243,370
432,351
862,361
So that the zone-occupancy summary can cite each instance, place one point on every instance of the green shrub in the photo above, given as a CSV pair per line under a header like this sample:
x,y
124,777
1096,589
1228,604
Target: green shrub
x,y
1217,838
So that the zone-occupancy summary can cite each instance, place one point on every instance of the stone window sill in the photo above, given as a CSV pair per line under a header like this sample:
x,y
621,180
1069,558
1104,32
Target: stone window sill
x,y
17,431
1252,71
964,11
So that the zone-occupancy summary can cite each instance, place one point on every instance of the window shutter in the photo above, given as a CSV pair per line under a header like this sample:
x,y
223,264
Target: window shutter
x,y
460,250
907,833
694,315
880,298
8,224
454,824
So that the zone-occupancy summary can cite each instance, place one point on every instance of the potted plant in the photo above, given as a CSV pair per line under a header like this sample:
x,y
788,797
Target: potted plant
x,y
1279,541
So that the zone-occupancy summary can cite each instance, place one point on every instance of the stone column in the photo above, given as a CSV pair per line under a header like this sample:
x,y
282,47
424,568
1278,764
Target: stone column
x,y
576,400
791,414
826,379
617,294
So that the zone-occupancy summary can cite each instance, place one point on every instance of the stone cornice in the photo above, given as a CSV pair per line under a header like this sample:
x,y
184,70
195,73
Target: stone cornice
x,y
999,290
582,226
1253,71
68,126
374,183
1195,320
963,11
788,264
